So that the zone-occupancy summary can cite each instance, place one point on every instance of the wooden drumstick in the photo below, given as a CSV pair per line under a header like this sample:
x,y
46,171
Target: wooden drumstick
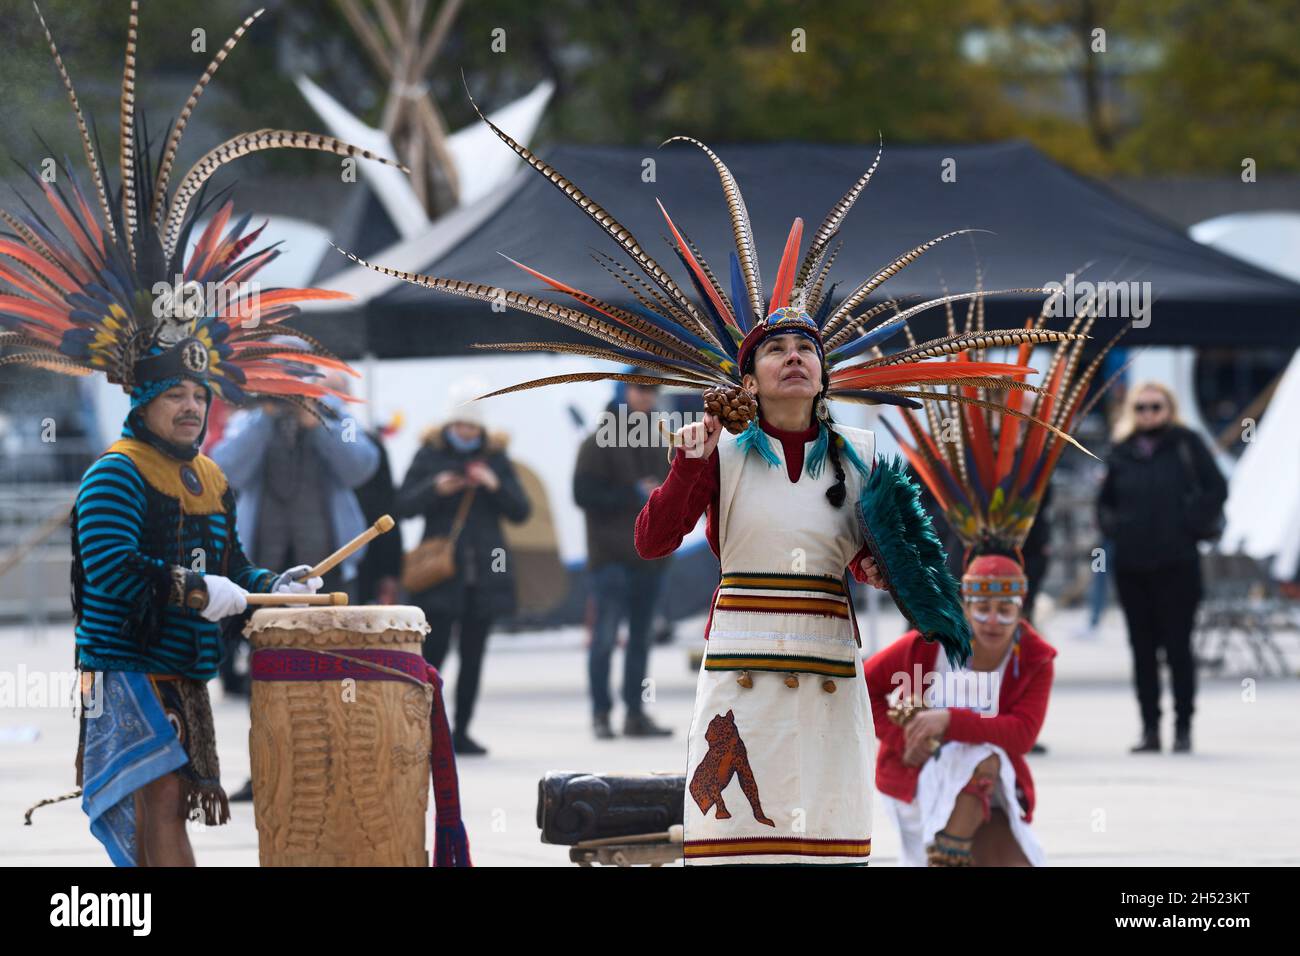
x,y
271,600
385,523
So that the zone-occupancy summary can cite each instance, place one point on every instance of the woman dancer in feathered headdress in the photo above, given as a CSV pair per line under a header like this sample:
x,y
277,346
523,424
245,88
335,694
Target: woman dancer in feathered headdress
x,y
793,500
157,562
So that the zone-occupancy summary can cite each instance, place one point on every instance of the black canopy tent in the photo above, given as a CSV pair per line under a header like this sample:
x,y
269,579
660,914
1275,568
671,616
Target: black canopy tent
x,y
1043,222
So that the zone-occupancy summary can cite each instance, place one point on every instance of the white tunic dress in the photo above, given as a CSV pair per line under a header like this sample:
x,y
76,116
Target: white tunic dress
x,y
780,773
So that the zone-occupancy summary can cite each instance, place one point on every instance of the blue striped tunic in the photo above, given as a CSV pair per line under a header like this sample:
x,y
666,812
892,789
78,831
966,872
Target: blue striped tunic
x,y
129,536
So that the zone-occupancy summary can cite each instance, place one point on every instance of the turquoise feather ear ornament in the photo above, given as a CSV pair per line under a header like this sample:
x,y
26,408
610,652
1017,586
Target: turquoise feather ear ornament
x,y
704,341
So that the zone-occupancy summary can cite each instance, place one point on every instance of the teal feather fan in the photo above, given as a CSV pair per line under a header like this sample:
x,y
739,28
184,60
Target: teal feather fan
x,y
902,540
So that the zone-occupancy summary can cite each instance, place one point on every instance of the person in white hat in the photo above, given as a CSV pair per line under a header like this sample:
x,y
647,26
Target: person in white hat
x,y
463,485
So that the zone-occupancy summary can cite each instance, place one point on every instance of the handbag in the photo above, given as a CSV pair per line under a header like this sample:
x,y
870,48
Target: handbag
x,y
1205,518
433,560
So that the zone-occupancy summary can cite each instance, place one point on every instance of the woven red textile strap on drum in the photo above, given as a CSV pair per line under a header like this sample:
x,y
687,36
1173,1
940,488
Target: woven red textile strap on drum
x,y
450,842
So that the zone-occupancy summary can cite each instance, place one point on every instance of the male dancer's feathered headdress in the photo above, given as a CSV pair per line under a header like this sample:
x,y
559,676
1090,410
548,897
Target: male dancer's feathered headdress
x,y
91,300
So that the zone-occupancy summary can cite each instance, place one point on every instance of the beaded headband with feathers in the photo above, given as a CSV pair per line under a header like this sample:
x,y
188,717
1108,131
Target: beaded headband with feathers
x,y
986,466
84,303
701,342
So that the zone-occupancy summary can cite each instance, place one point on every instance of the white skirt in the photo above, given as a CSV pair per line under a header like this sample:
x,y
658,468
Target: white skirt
x,y
777,774
941,779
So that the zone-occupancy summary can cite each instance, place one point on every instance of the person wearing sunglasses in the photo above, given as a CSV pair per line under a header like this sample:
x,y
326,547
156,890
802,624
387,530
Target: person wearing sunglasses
x,y
951,766
1162,495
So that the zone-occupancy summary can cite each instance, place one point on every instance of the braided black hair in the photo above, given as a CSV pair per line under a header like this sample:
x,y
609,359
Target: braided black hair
x,y
836,493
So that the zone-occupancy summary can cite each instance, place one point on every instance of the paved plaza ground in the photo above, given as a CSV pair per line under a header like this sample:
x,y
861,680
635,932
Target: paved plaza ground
x,y
1231,802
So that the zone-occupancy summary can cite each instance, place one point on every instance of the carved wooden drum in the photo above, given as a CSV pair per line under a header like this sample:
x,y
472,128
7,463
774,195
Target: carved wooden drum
x,y
340,759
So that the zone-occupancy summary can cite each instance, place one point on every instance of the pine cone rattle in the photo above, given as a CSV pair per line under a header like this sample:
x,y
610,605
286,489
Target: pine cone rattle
x,y
733,406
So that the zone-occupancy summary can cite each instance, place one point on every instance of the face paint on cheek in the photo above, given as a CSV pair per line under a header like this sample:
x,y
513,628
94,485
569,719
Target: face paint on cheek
x,y
982,613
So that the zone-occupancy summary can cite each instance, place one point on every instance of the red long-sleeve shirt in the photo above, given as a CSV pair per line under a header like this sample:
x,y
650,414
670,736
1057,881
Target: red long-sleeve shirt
x,y
1022,707
691,490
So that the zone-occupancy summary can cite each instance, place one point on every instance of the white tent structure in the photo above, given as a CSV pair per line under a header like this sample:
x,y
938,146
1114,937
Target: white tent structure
x,y
481,165
1263,509
1270,240
488,176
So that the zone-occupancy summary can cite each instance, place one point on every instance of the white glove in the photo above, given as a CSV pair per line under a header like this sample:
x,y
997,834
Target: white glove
x,y
225,598
287,582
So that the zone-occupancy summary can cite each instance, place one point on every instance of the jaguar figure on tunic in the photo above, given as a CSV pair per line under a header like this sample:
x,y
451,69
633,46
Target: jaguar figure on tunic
x,y
725,757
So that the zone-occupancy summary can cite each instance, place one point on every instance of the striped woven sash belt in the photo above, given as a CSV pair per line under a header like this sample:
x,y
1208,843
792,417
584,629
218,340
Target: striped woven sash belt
x,y
833,604
751,643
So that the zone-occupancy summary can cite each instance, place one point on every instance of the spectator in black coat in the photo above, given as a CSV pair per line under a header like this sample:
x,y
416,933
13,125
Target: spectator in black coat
x,y
1162,494
455,458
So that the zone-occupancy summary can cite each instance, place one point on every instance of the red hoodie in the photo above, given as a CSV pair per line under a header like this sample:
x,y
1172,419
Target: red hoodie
x,y
1022,706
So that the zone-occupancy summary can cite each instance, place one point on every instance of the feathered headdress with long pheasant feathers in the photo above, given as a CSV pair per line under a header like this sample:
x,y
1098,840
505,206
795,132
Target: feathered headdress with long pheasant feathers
x,y
985,463
706,342
104,296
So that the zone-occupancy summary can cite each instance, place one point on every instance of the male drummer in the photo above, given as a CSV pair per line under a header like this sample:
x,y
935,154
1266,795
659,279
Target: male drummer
x,y
157,563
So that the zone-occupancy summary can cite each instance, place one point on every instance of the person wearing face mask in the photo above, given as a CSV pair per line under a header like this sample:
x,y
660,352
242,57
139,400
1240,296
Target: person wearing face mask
x,y
1162,494
295,473
462,483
